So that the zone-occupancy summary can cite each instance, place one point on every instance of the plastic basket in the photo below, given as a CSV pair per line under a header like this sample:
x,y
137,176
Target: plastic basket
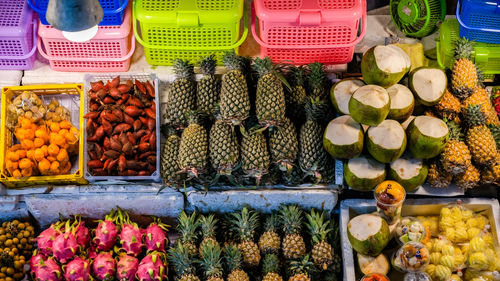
x,y
109,51
303,31
17,35
113,10
479,20
156,176
68,95
486,55
189,29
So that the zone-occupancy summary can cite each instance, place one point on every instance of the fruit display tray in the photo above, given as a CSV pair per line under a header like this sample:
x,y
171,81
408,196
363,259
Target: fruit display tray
x,y
412,207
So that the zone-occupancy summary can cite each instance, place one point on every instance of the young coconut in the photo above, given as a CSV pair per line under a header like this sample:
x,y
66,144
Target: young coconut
x,y
343,138
341,93
369,105
370,265
427,136
409,172
385,65
429,84
407,122
402,102
364,173
368,234
387,141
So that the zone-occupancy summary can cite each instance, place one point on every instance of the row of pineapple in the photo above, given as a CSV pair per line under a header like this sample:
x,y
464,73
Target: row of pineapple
x,y
244,128
228,250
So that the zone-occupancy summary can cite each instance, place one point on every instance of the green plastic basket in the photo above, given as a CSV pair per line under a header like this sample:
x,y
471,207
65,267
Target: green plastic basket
x,y
188,29
418,18
485,55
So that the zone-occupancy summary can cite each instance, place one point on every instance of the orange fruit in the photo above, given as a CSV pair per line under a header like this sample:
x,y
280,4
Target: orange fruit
x,y
27,144
63,155
25,123
54,127
39,154
16,174
44,166
74,131
59,140
21,153
38,142
54,167
65,124
12,156
25,163
53,150
30,154
45,149
11,166
27,172
42,133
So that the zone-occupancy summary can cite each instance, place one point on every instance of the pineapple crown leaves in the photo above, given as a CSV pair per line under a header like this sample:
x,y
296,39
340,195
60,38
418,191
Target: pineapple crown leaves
x,y
233,257
454,129
317,75
298,75
270,263
463,48
187,227
193,116
212,260
291,219
208,225
181,260
272,222
245,223
474,115
317,225
183,69
208,64
266,66
232,61
302,266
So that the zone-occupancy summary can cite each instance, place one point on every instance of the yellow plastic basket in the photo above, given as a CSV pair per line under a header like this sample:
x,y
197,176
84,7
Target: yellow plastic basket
x,y
61,92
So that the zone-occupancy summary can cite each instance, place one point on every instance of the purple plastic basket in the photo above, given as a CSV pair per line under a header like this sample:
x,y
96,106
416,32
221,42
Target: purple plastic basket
x,y
17,35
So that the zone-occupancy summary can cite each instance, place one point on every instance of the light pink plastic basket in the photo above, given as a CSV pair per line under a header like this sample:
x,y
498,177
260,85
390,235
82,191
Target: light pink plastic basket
x,y
304,31
109,51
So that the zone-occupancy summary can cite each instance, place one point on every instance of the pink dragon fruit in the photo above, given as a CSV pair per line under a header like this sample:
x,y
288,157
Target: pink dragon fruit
x,y
126,268
65,246
82,233
77,270
130,236
46,239
47,270
35,260
155,236
104,266
152,267
106,233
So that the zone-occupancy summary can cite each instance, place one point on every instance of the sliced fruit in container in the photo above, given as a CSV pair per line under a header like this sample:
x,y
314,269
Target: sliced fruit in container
x,y
385,65
341,93
402,102
369,105
428,84
387,141
343,138
364,173
427,136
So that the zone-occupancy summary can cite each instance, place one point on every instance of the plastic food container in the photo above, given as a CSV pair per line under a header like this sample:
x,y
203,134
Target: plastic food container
x,y
113,10
17,35
411,257
390,196
410,229
479,20
306,31
69,96
188,29
109,51
156,176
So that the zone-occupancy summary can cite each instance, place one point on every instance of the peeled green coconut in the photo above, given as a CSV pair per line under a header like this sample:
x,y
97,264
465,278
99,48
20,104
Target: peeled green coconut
x,y
364,173
368,234
385,65
402,102
429,84
343,138
407,122
387,141
427,136
341,93
369,265
369,105
409,172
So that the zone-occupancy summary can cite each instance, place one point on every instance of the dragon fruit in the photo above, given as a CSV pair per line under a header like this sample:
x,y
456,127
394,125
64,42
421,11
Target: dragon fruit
x,y
77,270
47,270
46,239
152,267
82,233
130,236
65,246
104,266
126,268
106,233
35,260
155,236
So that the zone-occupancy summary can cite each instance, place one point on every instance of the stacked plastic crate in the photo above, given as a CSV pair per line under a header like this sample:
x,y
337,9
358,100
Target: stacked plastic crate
x,y
110,50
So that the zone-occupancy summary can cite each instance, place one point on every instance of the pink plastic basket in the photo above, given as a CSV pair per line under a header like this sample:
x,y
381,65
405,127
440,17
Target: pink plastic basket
x,y
109,51
304,31
17,35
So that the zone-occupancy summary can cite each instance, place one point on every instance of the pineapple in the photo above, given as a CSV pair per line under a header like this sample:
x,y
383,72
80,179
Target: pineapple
x,y
312,155
183,263
234,98
481,97
293,245
495,131
208,87
187,227
296,98
283,145
464,76
479,138
193,150
182,94
211,262
224,148
234,260
270,97
270,241
492,174
449,106
322,252
208,226
317,81
270,268
244,225
301,269
255,158
169,165
469,179
456,155
437,177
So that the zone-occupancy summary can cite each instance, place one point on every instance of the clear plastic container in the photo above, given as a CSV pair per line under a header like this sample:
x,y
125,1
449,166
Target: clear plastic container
x,y
390,196
411,257
410,229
